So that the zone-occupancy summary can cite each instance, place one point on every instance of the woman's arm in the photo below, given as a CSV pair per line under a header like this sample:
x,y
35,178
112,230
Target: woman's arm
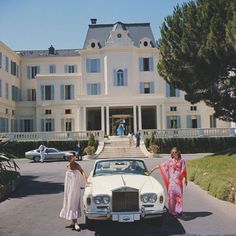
x,y
82,173
155,168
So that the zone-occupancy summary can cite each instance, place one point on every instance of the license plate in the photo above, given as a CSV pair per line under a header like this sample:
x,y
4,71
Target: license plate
x,y
126,218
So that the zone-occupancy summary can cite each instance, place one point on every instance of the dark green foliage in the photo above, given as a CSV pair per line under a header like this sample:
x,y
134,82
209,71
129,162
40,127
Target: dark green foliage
x,y
194,145
198,49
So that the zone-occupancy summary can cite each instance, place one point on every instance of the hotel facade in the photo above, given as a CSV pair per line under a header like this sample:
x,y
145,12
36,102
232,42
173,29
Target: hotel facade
x,y
113,79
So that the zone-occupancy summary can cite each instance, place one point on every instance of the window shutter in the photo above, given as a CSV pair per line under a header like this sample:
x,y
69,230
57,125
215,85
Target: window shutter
x,y
189,122
99,89
167,90
125,77
66,68
20,94
75,68
72,91
140,64
98,65
152,87
38,70
168,122
72,124
52,92
151,64
114,78
0,88
62,125
42,125
198,121
62,92
89,89
141,87
177,92
42,92
53,124
88,65
28,72
178,122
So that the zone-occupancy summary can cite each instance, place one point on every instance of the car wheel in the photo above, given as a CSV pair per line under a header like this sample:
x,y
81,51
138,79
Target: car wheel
x,y
36,159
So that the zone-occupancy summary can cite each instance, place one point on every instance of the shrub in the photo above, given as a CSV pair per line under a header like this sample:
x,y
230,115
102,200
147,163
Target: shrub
x,y
89,150
153,148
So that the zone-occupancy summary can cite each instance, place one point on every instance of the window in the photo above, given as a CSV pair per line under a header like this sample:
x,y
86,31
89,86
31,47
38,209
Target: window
x,y
194,121
147,87
70,69
68,111
172,91
173,122
7,91
120,77
67,124
3,125
32,71
13,112
0,60
16,93
52,69
17,71
94,89
7,64
67,92
22,125
173,108
31,94
7,111
193,108
47,125
146,64
47,92
212,121
0,88
13,68
93,65
48,112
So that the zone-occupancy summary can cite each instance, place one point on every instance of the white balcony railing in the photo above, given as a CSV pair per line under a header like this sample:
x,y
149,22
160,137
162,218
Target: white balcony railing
x,y
190,133
51,136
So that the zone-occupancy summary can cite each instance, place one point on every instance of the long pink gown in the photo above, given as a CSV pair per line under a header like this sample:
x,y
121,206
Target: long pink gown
x,y
71,203
173,171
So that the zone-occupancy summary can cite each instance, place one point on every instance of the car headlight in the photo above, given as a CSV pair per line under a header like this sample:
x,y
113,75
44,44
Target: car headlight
x,y
149,197
105,199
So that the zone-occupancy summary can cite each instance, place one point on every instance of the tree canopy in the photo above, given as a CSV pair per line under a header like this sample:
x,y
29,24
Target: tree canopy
x,y
198,53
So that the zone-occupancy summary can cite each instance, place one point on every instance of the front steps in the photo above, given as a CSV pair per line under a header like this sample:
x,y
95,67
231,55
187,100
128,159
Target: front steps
x,y
116,147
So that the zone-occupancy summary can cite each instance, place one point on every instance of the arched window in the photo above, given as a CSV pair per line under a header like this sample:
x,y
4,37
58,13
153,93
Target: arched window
x,y
120,78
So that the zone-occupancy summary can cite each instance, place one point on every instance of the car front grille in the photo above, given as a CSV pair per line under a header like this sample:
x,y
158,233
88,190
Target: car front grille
x,y
125,200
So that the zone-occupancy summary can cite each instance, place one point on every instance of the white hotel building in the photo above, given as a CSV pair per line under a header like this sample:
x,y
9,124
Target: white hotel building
x,y
112,79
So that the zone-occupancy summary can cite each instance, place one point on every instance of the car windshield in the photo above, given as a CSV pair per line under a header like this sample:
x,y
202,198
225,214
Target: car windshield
x,y
113,167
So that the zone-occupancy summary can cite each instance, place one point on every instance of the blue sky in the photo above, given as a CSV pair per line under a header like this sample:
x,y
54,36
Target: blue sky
x,y
36,24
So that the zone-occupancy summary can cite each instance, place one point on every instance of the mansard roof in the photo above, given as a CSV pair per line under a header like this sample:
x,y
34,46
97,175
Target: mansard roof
x,y
136,32
45,53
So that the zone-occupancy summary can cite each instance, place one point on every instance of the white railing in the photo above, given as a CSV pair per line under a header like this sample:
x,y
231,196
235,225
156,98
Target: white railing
x,y
190,133
51,136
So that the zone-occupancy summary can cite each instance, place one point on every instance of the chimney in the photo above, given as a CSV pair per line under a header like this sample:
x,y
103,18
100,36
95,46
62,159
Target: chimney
x,y
51,50
93,21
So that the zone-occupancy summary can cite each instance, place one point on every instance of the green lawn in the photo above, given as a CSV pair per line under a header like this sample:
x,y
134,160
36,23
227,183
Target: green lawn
x,y
216,174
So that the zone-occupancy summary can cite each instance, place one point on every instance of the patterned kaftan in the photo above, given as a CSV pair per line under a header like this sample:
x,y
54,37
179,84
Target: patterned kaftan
x,y
173,171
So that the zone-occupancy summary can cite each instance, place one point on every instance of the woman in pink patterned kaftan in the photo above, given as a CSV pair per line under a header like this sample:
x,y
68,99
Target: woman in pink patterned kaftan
x,y
174,173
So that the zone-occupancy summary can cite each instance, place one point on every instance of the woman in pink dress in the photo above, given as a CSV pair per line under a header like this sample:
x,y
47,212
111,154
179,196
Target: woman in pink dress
x,y
71,205
174,173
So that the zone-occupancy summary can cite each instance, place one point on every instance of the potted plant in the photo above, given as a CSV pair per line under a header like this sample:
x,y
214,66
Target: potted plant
x,y
90,149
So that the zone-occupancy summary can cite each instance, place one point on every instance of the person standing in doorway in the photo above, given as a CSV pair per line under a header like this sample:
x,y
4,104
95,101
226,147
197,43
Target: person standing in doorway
x,y
79,151
71,204
174,173
137,136
42,152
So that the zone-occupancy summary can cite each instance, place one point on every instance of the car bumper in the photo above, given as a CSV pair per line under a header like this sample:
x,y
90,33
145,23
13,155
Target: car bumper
x,y
106,214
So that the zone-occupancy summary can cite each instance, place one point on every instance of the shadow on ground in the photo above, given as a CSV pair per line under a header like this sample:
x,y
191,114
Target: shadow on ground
x,y
30,186
171,226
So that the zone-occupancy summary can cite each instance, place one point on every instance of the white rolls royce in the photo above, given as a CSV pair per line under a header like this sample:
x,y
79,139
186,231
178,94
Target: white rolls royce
x,y
122,190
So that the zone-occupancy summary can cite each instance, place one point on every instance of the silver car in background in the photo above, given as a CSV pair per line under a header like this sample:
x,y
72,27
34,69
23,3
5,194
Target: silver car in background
x,y
50,154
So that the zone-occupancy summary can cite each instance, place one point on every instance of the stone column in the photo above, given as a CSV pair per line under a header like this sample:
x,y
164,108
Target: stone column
x,y
84,119
102,119
107,121
139,118
159,118
134,119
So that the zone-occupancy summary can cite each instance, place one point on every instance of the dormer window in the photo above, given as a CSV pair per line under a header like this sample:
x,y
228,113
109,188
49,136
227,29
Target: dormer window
x,y
145,43
119,35
93,45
